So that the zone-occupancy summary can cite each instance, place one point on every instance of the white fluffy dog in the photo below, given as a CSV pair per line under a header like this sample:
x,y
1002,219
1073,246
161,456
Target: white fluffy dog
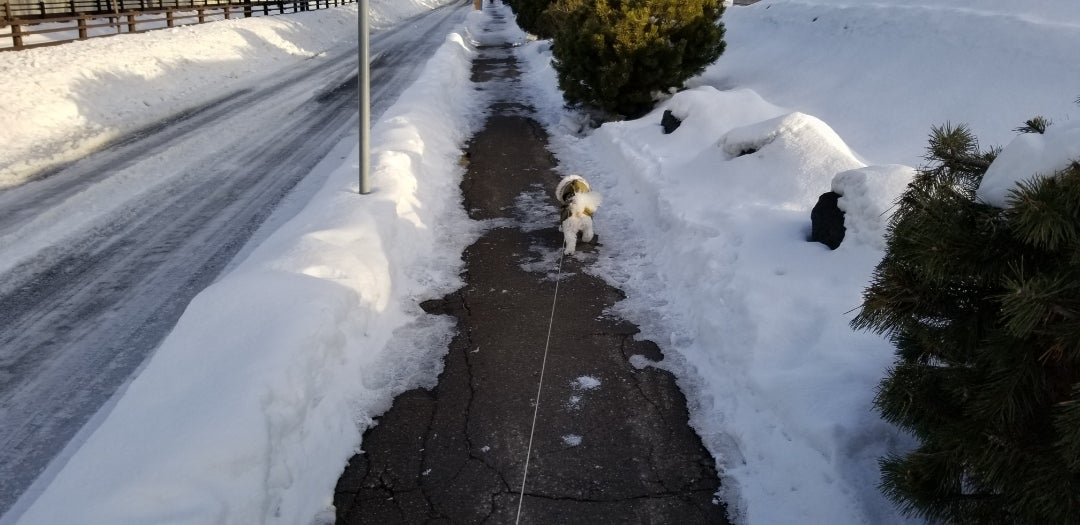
x,y
579,203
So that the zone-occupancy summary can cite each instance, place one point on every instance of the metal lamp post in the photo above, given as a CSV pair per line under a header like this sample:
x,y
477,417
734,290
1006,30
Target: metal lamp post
x,y
365,102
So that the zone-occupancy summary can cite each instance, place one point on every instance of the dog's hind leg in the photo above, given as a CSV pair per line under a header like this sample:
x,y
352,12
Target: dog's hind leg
x,y
586,229
570,231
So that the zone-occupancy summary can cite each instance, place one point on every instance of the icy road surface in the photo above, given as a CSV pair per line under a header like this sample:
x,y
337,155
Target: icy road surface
x,y
79,317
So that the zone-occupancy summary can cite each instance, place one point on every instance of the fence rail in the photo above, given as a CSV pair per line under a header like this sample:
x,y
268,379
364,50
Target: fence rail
x,y
30,25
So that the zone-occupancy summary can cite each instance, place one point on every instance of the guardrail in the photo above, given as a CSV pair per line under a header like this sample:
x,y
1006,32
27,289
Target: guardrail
x,y
40,24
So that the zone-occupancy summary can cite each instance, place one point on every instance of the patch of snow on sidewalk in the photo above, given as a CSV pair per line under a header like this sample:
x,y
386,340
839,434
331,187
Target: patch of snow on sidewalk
x,y
585,383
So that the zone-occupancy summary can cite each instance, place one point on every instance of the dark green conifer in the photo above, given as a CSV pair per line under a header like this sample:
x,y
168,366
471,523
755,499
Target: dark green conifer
x,y
1036,124
530,16
983,305
615,55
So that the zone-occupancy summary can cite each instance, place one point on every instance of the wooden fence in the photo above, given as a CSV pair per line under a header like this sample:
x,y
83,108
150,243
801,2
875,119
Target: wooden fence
x,y
48,22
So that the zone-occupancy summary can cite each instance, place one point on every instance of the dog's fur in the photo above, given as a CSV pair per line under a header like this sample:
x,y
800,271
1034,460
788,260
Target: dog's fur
x,y
579,203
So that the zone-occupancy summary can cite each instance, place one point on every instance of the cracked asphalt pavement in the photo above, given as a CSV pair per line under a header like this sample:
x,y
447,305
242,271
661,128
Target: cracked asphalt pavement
x,y
612,442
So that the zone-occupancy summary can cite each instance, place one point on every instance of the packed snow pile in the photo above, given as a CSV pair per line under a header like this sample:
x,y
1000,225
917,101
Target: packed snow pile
x,y
798,130
741,108
784,161
867,198
251,407
1028,156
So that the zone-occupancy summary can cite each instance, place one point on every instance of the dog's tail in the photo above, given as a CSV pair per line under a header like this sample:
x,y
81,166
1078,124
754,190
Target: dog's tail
x,y
586,203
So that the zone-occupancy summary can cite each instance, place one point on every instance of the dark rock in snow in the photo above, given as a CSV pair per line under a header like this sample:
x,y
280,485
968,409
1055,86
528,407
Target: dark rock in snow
x,y
669,122
749,150
827,221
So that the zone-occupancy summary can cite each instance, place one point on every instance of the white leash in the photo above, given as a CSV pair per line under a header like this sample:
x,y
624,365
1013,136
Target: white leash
x,y
540,386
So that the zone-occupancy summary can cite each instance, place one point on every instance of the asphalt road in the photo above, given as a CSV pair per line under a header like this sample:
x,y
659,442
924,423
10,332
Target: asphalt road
x,y
79,317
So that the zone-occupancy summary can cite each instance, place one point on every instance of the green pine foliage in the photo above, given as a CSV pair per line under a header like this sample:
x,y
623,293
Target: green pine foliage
x,y
531,16
983,305
1036,124
615,55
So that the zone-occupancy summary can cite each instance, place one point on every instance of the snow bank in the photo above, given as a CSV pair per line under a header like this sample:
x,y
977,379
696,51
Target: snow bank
x,y
867,196
785,161
1027,156
62,102
705,229
753,319
882,73
250,408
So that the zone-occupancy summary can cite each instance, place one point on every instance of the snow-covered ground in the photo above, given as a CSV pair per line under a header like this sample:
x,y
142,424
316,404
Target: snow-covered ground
x,y
881,73
383,13
710,243
59,31
238,418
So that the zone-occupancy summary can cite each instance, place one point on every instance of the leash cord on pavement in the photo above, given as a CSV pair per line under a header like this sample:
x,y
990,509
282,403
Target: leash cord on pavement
x,y
540,386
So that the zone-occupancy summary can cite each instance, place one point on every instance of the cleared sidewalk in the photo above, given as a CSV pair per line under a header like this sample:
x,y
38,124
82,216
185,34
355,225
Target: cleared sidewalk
x,y
612,443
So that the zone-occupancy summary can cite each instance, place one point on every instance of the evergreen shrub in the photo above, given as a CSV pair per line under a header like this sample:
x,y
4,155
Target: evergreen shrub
x,y
615,55
983,306
531,16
